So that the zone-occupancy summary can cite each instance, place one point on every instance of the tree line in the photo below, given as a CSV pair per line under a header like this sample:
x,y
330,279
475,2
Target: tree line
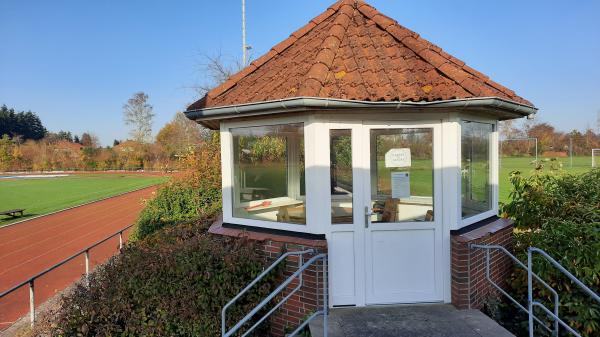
x,y
516,140
26,145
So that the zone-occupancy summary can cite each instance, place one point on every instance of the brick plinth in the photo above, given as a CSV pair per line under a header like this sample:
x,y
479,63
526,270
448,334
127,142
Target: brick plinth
x,y
309,298
470,287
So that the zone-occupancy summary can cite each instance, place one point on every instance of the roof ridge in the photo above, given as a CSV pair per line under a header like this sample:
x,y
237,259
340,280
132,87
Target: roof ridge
x,y
304,63
452,67
277,49
317,74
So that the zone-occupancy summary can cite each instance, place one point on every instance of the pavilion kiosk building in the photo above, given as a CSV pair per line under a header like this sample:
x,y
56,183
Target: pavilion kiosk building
x,y
358,137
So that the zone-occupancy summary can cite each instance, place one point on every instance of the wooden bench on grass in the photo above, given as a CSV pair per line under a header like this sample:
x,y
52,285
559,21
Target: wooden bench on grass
x,y
13,212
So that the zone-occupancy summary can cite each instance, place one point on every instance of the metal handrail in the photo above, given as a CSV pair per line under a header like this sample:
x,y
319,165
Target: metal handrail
x,y
521,264
533,303
296,275
530,277
86,251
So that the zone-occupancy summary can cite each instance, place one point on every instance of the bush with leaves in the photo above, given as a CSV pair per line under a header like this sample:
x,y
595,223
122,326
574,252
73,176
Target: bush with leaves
x,y
172,283
195,194
559,213
553,194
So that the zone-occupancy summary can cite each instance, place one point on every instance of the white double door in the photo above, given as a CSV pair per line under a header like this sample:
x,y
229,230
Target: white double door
x,y
390,250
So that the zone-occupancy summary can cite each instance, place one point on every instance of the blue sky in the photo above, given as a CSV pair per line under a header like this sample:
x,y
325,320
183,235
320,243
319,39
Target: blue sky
x,y
76,62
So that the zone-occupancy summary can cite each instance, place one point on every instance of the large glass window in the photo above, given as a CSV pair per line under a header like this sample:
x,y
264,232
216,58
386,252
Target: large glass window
x,y
268,163
401,175
340,155
475,168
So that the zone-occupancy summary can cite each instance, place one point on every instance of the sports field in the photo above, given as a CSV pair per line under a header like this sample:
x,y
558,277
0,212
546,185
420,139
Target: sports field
x,y
421,173
526,166
45,195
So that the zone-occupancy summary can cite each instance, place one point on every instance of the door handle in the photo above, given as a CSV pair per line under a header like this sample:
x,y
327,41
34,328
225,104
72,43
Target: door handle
x,y
368,213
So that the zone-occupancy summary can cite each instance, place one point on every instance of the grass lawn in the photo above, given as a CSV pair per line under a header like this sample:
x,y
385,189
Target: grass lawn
x,y
45,195
421,172
274,178
525,165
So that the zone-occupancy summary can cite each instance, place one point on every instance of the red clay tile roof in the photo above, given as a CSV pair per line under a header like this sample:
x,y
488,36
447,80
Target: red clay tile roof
x,y
352,51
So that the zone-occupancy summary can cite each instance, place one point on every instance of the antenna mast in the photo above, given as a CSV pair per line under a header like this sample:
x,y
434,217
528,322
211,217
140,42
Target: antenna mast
x,y
244,48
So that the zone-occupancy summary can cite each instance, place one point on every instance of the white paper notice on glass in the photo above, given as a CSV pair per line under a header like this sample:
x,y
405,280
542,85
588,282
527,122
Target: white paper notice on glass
x,y
398,158
400,185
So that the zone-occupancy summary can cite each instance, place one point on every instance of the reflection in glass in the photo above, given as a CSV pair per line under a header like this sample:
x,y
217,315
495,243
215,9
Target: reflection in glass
x,y
476,191
340,149
268,163
401,175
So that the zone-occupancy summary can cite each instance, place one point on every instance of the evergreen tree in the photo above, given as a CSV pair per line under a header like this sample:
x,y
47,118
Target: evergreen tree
x,y
25,124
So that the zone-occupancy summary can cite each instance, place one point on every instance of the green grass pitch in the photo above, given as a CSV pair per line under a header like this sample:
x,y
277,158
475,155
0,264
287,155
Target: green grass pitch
x,y
526,166
46,195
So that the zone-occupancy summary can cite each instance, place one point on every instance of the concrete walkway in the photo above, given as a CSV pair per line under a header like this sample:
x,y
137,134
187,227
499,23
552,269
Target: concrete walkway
x,y
408,321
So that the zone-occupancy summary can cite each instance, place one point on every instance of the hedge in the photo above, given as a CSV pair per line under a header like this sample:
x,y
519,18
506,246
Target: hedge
x,y
559,213
173,283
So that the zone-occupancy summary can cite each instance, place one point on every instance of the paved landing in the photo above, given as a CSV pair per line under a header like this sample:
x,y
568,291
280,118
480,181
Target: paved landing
x,y
440,320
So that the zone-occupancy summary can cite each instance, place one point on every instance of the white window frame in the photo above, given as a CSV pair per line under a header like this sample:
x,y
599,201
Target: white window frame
x,y
228,174
493,173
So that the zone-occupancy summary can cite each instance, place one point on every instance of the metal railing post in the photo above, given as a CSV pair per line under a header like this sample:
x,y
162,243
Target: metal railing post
x,y
31,302
325,299
530,292
487,264
469,274
87,265
300,263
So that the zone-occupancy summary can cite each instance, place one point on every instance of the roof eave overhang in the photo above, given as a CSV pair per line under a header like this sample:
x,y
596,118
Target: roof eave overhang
x,y
502,108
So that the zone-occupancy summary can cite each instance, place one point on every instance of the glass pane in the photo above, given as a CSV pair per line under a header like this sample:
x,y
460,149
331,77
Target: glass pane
x,y
475,168
401,175
268,168
340,149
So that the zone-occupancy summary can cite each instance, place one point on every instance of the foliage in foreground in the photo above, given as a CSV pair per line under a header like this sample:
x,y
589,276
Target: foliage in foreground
x,y
553,195
559,213
196,194
173,283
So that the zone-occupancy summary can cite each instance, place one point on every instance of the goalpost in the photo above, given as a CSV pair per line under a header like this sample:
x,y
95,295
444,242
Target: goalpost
x,y
521,139
595,153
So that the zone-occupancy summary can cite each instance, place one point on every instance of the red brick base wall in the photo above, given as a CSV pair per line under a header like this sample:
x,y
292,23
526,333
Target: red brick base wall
x,y
470,287
309,298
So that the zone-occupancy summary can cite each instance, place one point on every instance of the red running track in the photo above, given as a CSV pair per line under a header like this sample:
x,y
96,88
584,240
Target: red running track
x,y
32,246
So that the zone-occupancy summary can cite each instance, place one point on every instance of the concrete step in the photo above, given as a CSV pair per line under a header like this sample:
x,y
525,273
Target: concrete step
x,y
432,320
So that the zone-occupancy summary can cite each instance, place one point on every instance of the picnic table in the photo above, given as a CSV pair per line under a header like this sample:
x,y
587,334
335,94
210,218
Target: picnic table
x,y
13,212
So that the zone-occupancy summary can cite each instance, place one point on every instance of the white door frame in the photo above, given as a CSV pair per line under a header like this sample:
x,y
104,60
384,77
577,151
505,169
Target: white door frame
x,y
436,225
355,233
348,290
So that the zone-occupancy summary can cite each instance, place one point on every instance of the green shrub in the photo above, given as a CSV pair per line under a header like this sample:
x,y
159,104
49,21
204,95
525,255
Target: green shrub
x,y
193,195
576,246
173,283
554,194
559,213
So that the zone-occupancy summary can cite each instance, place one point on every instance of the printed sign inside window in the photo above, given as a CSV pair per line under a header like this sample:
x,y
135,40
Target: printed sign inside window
x,y
400,185
398,158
